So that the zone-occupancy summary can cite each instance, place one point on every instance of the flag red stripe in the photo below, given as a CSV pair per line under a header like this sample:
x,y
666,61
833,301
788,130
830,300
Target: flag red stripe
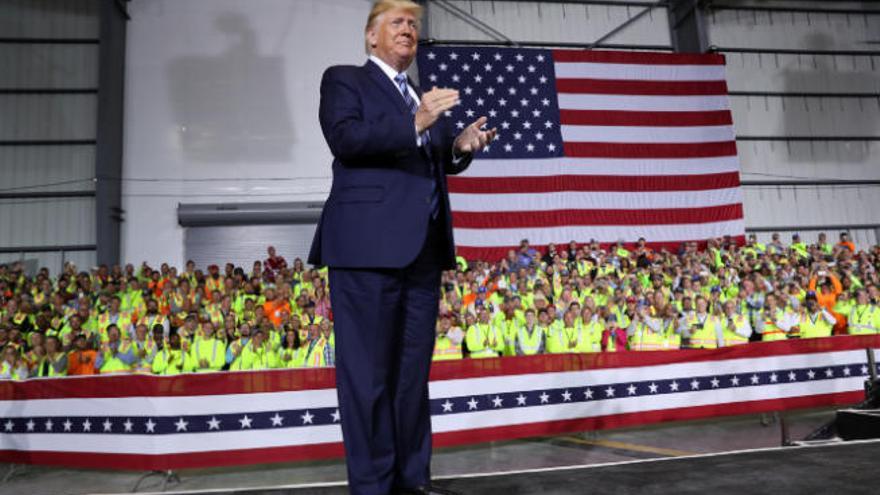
x,y
459,369
558,218
634,87
185,385
592,183
495,253
637,58
650,150
651,119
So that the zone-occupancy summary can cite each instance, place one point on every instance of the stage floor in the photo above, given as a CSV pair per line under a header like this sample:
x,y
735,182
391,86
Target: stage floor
x,y
551,465
843,468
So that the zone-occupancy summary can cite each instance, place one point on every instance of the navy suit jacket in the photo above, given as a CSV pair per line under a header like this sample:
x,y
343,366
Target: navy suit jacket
x,y
379,206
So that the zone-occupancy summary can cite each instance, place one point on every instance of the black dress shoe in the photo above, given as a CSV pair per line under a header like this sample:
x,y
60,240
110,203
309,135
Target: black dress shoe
x,y
428,490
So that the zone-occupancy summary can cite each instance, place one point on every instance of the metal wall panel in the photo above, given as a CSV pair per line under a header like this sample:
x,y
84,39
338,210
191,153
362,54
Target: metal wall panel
x,y
47,222
803,73
48,66
810,205
47,116
794,30
775,160
49,18
34,63
774,116
49,168
548,21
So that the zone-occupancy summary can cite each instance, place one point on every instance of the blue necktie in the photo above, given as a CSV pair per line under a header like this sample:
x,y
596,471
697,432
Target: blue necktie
x,y
425,139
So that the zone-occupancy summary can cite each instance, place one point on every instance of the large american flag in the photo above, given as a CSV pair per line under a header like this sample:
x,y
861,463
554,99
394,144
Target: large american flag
x,y
602,145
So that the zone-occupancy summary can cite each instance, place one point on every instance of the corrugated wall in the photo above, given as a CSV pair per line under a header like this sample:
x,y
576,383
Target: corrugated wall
x,y
826,130
548,22
48,103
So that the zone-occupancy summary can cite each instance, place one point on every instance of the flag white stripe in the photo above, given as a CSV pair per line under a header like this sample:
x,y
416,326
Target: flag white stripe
x,y
525,415
571,101
603,233
601,166
170,444
646,134
575,200
197,404
639,72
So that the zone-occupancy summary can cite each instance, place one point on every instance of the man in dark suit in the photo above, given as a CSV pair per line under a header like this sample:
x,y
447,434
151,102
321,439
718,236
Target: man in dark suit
x,y
386,235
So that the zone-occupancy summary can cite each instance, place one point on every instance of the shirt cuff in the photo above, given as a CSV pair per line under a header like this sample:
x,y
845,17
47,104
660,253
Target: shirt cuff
x,y
457,157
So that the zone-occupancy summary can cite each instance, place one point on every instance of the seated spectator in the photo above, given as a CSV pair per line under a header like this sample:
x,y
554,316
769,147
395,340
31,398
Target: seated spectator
x,y
112,357
54,362
13,366
813,320
83,358
293,351
444,347
274,263
174,358
846,243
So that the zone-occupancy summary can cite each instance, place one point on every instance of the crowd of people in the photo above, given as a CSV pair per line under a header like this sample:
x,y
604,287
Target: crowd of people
x,y
572,298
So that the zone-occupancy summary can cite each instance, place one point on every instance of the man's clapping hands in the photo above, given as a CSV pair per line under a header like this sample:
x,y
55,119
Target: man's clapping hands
x,y
473,138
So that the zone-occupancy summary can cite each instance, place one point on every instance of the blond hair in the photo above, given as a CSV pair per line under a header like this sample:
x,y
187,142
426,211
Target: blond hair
x,y
382,6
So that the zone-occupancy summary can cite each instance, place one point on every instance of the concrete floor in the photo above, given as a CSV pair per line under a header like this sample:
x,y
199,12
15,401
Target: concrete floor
x,y
657,441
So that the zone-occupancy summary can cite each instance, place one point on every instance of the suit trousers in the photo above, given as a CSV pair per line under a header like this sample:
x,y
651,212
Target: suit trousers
x,y
384,321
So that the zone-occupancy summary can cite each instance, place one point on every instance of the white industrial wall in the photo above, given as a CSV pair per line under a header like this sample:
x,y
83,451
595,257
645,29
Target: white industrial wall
x,y
839,117
42,113
221,105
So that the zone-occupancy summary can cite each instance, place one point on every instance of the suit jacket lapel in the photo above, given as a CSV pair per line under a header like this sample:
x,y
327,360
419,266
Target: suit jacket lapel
x,y
386,85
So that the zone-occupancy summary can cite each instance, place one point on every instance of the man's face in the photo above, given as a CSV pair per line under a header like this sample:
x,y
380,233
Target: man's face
x,y
729,308
394,38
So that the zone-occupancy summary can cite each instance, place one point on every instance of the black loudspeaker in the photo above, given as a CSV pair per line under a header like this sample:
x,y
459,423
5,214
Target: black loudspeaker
x,y
858,424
